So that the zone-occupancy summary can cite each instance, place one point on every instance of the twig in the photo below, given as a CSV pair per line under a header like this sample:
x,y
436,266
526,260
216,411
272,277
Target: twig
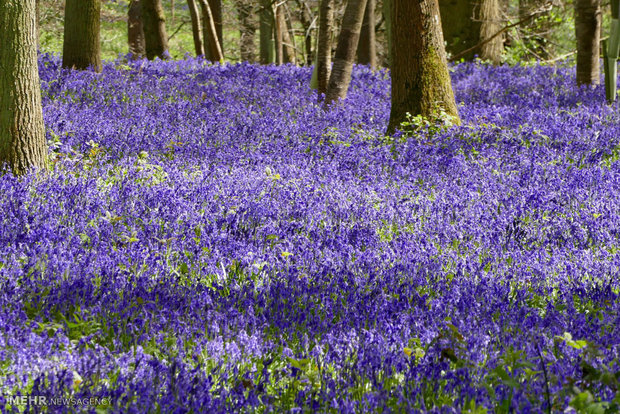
x,y
177,31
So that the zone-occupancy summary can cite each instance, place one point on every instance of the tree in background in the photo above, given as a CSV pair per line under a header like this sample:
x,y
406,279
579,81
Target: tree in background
x,y
22,133
421,82
587,33
340,77
135,32
323,65
266,28
490,24
154,25
247,30
194,14
81,48
213,48
367,46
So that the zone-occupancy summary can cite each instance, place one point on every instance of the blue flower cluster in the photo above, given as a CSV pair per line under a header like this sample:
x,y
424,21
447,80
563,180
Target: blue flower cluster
x,y
211,240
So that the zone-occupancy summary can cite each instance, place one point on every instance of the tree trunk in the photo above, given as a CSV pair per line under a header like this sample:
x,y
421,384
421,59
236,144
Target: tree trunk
x,y
387,15
490,23
267,44
345,51
135,32
81,48
366,50
194,14
587,32
324,48
420,79
154,25
461,26
305,17
278,35
22,133
247,30
215,9
213,49
288,42
38,17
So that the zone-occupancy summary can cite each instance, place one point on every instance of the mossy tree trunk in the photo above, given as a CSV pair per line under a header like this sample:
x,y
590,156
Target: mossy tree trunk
x,y
346,49
587,32
247,30
154,25
194,14
266,28
135,32
421,82
367,47
22,134
81,48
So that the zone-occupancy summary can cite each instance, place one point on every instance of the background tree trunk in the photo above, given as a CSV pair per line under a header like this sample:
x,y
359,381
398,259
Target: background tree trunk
x,y
345,51
306,19
215,7
387,15
490,23
213,49
247,30
324,48
267,43
81,48
587,32
135,32
22,133
194,14
461,26
420,79
154,25
366,49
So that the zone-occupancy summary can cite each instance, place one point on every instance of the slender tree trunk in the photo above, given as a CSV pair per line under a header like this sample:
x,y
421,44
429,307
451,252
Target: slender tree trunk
x,y
81,48
22,133
278,35
387,15
420,79
213,49
306,21
324,48
345,51
366,49
288,41
247,30
490,23
194,14
154,25
215,9
267,43
587,32
135,32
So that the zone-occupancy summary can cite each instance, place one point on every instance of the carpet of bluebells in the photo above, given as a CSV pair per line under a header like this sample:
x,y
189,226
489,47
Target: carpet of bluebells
x,y
209,239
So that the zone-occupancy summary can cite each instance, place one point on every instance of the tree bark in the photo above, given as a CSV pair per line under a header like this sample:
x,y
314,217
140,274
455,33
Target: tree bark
x,y
288,42
387,15
305,17
366,50
267,43
421,82
135,32
490,23
194,14
81,48
215,9
154,25
22,133
213,49
340,77
323,66
247,29
587,32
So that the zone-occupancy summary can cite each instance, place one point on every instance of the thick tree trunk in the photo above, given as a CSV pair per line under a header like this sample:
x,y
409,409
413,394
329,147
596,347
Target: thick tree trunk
x,y
81,48
267,43
420,79
345,51
247,30
324,48
587,32
135,32
366,50
154,25
194,14
490,23
213,49
22,134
